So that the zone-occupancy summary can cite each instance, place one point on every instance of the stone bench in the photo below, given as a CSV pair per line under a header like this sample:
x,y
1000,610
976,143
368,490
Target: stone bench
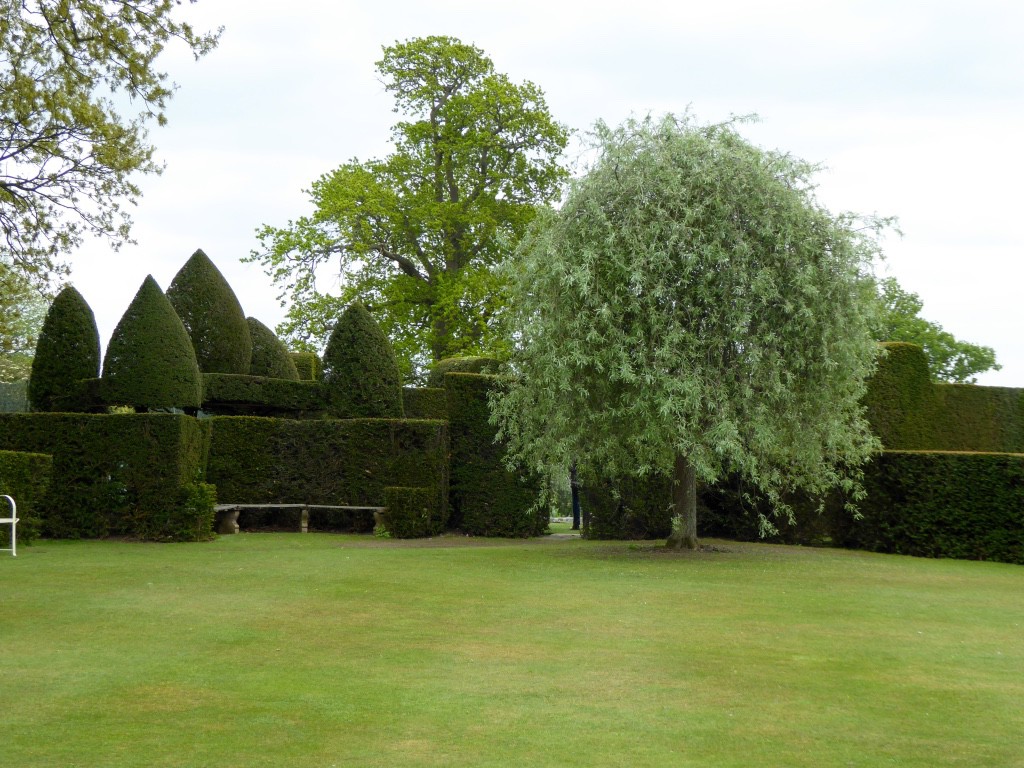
x,y
226,521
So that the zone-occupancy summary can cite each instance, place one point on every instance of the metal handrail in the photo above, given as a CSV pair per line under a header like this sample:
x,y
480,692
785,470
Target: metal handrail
x,y
13,521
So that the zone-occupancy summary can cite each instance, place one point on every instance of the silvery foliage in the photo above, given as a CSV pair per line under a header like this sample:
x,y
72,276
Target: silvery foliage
x,y
692,297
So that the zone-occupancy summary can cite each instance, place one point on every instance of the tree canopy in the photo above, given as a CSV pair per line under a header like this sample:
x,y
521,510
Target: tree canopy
x,y
692,310
416,236
67,153
949,359
22,310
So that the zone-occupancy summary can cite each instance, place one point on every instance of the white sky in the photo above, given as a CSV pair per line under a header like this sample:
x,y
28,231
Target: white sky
x,y
916,109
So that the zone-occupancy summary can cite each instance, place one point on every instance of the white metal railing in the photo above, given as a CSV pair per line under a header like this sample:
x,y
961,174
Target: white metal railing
x,y
13,522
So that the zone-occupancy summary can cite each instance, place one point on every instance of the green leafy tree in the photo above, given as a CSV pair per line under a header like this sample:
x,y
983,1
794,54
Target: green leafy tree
x,y
212,316
22,309
360,374
150,362
67,154
68,351
416,236
949,359
270,357
690,311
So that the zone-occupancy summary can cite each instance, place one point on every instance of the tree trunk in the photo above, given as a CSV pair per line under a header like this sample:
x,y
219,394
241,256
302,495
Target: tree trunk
x,y
574,485
441,343
684,502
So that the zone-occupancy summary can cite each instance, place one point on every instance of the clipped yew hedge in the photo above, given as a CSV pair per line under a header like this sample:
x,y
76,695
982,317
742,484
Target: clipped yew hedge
x,y
425,403
134,475
413,512
307,365
468,364
25,477
256,460
227,394
968,417
908,411
940,504
486,498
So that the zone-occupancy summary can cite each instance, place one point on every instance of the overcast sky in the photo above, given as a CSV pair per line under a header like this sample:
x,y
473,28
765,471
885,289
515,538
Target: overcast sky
x,y
915,108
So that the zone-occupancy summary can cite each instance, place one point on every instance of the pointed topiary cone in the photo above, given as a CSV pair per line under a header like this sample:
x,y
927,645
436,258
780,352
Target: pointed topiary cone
x,y
150,362
360,373
68,351
270,357
212,316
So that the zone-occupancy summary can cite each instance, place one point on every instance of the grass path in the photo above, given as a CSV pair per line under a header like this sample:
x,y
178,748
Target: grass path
x,y
326,650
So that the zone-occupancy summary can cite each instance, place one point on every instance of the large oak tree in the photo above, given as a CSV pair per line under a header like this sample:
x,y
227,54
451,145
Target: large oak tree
x,y
415,236
949,358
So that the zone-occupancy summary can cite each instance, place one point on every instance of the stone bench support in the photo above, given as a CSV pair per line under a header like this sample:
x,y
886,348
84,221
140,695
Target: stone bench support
x,y
226,522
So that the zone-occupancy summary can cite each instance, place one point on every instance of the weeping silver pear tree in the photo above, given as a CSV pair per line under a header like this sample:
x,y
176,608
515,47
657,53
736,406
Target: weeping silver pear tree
x,y
692,310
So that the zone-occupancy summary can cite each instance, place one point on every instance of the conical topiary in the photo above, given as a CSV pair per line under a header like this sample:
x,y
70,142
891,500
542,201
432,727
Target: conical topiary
x,y
68,351
150,362
270,357
212,316
360,372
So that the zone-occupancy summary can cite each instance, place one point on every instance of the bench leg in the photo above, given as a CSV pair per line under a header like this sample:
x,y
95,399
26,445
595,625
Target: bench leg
x,y
227,522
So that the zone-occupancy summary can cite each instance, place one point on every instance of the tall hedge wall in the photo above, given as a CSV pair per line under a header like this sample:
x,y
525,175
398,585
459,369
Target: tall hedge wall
x,y
228,394
123,474
927,503
941,504
412,513
340,462
307,365
910,412
425,402
469,364
967,417
486,498
25,477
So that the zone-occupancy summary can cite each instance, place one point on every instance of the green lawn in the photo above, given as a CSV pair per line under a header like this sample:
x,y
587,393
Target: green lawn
x,y
327,650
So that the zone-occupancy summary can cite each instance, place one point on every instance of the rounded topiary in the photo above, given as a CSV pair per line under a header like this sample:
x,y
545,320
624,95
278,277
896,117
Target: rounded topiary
x,y
68,351
212,316
270,357
360,371
150,362
899,397
478,364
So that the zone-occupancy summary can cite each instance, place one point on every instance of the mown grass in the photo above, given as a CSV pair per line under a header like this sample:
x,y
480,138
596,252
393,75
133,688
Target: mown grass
x,y
321,650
